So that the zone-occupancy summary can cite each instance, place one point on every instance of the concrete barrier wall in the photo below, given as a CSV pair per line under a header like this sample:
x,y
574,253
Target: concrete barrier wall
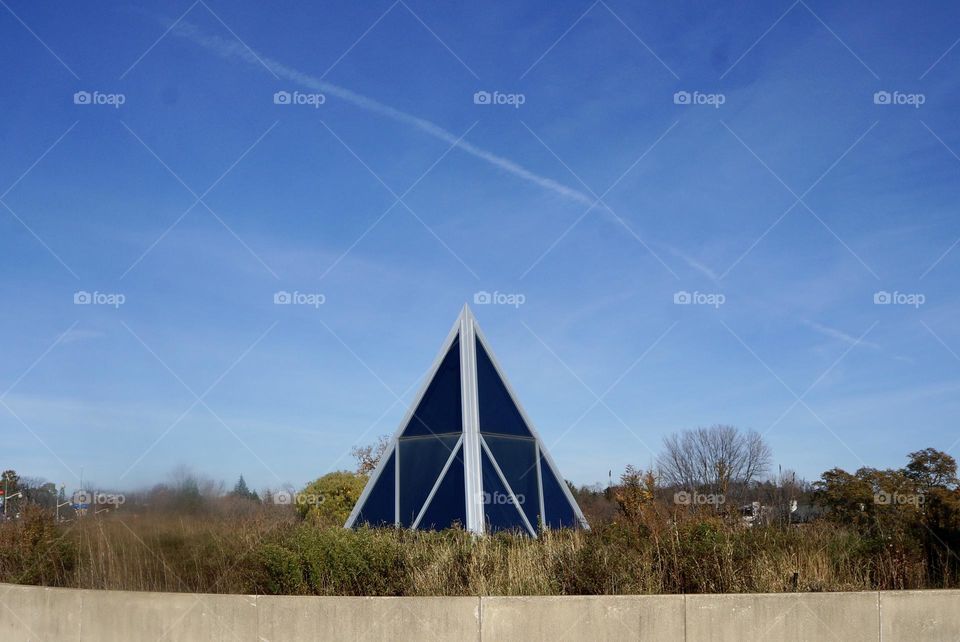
x,y
35,614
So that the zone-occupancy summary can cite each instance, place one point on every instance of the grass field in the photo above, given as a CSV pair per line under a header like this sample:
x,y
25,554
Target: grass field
x,y
267,550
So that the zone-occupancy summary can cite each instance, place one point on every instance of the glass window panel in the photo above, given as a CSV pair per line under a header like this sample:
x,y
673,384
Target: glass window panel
x,y
498,414
421,461
440,410
499,511
517,459
558,513
379,508
448,505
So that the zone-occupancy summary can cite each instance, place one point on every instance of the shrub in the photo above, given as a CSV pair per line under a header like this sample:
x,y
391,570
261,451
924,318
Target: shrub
x,y
338,561
329,500
34,551
282,571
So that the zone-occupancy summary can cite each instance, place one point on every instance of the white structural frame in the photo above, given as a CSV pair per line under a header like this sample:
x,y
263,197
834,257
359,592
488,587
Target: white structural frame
x,y
473,475
470,443
436,484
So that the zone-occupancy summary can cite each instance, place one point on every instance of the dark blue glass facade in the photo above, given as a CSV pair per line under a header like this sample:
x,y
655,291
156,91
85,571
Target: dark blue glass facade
x,y
519,491
441,409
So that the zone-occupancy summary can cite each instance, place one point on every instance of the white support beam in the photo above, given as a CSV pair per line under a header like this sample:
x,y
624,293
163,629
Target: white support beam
x,y
473,488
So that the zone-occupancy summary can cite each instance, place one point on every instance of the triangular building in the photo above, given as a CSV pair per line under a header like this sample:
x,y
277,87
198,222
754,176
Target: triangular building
x,y
467,453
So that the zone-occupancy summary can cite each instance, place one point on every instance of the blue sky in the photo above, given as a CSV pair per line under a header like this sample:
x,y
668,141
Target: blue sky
x,y
784,212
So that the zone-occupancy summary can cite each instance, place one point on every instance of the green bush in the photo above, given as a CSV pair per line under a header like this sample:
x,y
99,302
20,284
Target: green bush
x,y
282,571
610,560
329,500
338,561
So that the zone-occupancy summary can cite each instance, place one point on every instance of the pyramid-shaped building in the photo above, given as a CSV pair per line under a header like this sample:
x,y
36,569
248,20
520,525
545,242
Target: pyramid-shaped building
x,y
467,453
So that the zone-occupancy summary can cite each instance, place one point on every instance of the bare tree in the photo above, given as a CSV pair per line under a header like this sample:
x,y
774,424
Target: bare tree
x,y
713,458
369,456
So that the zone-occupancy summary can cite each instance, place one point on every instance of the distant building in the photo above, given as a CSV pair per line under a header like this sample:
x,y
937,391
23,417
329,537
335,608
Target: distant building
x,y
467,453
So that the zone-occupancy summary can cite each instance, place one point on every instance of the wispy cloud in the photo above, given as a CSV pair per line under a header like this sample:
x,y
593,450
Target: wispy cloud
x,y
231,49
885,400
834,333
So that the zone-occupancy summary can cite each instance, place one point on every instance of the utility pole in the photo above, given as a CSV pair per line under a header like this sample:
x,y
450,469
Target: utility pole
x,y
7,497
63,488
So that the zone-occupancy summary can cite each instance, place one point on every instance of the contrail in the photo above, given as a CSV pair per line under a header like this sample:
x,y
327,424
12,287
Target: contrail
x,y
695,264
833,333
231,49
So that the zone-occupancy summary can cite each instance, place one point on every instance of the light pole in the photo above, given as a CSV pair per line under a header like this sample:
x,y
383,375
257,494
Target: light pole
x,y
6,499
57,500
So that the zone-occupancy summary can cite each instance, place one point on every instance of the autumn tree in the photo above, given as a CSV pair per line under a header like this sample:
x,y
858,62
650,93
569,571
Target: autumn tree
x,y
931,468
635,495
912,511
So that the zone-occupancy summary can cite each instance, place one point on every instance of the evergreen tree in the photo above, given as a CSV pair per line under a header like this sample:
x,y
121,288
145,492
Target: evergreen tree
x,y
243,492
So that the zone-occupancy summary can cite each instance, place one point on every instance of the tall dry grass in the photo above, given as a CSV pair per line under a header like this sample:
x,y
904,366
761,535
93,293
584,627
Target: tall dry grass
x,y
270,552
